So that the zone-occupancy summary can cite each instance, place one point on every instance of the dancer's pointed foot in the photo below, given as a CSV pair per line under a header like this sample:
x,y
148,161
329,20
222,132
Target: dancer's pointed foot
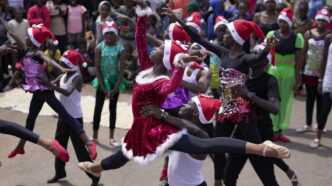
x,y
56,178
60,152
293,177
87,167
16,151
273,150
92,149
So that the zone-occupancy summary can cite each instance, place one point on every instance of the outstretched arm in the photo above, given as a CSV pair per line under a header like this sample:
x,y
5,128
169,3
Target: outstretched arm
x,y
218,50
141,43
174,121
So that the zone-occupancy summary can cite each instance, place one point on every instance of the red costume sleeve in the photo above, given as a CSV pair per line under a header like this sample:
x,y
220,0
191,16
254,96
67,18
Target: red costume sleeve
x,y
169,86
141,44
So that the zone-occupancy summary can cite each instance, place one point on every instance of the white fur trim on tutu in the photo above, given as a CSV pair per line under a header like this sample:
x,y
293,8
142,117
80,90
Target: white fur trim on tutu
x,y
143,12
171,140
142,79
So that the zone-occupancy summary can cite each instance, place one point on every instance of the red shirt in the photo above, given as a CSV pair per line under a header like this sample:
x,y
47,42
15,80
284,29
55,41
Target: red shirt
x,y
38,15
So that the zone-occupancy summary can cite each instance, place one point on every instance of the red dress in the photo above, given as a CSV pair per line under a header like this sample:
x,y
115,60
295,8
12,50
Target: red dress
x,y
148,137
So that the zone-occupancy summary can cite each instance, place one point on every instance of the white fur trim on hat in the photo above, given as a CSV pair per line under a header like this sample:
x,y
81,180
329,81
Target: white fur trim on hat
x,y
143,12
201,115
192,24
235,34
110,29
171,30
322,17
285,18
69,64
219,24
33,40
167,54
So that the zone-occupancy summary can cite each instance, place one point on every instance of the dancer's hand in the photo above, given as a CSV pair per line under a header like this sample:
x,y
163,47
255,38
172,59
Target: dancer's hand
x,y
43,79
153,111
113,92
271,42
169,12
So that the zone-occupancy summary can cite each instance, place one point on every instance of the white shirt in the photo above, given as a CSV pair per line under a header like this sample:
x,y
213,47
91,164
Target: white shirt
x,y
19,29
184,170
72,103
327,81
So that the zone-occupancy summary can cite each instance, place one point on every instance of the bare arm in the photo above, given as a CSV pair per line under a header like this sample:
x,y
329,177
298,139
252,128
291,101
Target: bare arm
x,y
122,60
202,83
98,72
176,122
77,84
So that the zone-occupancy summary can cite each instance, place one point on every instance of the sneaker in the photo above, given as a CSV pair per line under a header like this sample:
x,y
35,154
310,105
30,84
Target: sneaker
x,y
315,144
306,128
114,143
284,139
92,149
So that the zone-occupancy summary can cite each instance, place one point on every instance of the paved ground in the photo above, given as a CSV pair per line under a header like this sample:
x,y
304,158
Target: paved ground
x,y
36,166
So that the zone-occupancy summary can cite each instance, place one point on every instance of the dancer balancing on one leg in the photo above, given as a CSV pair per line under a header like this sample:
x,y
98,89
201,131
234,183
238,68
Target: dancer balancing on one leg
x,y
13,129
148,137
33,62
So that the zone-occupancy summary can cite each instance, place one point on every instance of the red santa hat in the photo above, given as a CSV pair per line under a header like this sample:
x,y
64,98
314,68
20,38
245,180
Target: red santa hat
x,y
176,32
220,20
207,107
39,34
72,58
241,30
109,26
286,15
323,14
195,20
171,49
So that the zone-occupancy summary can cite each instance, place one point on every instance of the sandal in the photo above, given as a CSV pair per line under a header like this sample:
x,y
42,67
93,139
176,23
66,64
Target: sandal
x,y
86,167
282,152
114,143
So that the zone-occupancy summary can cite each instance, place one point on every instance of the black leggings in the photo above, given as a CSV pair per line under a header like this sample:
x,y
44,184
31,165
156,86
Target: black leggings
x,y
36,104
230,169
266,132
100,99
10,128
325,110
63,133
312,96
187,144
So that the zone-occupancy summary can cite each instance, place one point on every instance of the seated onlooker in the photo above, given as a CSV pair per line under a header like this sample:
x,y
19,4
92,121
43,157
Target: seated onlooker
x,y
75,23
39,14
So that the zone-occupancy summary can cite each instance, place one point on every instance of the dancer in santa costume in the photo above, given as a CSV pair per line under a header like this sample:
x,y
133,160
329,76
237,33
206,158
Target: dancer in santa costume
x,y
148,137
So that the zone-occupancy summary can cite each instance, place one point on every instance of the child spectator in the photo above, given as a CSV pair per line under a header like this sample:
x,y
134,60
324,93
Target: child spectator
x,y
75,23
58,11
39,14
18,26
